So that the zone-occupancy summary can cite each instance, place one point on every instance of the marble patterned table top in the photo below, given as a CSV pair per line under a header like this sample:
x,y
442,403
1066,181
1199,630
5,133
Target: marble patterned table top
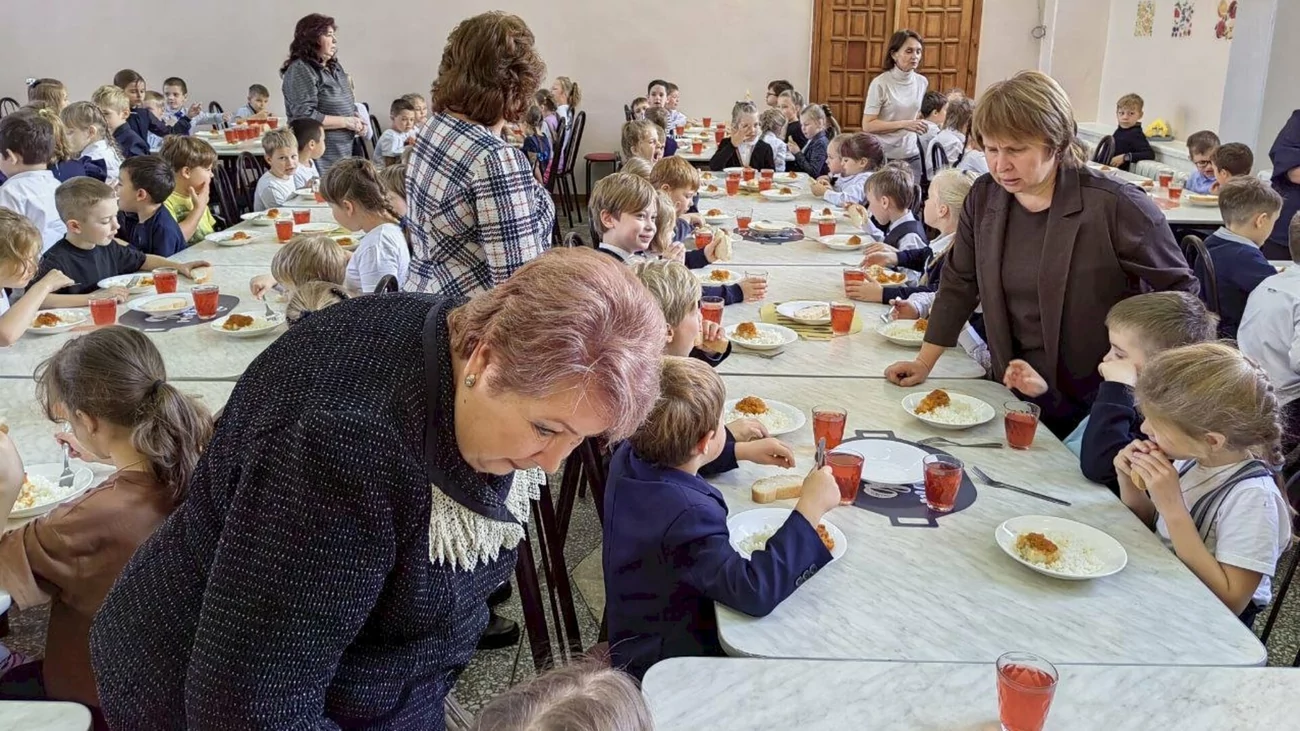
x,y
188,352
44,715
906,591
743,695
863,355
263,246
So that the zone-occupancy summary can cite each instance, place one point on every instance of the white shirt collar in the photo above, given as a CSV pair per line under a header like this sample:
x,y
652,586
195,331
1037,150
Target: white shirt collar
x,y
1226,235
622,255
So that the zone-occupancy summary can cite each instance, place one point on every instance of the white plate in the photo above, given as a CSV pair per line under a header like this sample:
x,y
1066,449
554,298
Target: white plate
x,y
138,283
791,310
260,326
258,218
707,177
840,242
765,226
776,195
729,171
704,192
162,304
794,416
887,461
743,525
717,220
82,478
786,178
315,228
706,277
227,238
1107,550
69,318
984,413
305,193
350,238
883,330
787,336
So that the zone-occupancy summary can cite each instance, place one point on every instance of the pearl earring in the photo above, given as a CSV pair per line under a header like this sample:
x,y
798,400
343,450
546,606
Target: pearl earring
x,y
470,380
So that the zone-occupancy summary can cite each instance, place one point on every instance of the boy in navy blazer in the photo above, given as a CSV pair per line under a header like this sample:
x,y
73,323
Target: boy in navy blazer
x,y
667,553
1250,208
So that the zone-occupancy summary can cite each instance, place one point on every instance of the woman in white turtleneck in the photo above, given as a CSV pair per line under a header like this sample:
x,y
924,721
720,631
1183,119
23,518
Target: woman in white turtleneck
x,y
892,111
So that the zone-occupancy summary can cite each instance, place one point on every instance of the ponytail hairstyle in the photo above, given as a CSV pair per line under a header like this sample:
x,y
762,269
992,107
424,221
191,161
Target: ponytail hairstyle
x,y
116,374
633,133
312,297
85,115
357,180
533,121
572,91
822,114
1212,387
960,113
50,91
546,100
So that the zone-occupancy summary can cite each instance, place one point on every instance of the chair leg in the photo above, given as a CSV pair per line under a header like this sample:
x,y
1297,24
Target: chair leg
x,y
588,188
564,196
530,600
1282,588
558,577
577,208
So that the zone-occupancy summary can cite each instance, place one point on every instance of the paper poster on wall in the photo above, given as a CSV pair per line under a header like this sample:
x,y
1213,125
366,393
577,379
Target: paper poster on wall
x,y
1146,18
1227,18
1182,19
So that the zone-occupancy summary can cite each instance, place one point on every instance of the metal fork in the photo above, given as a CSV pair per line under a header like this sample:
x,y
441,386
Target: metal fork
x,y
998,483
66,478
945,442
271,315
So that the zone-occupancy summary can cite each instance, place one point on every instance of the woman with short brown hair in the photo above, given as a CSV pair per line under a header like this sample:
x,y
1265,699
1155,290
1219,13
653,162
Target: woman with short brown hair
x,y
477,212
1047,246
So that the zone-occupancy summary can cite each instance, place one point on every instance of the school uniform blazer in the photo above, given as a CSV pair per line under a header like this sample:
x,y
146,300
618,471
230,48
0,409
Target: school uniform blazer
x,y
728,157
668,558
1106,241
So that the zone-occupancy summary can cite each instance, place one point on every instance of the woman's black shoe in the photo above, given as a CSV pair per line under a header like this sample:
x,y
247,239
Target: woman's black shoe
x,y
499,597
500,633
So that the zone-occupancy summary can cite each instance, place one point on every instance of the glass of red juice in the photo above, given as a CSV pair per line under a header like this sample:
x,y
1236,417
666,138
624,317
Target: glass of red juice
x,y
846,467
749,173
697,147
1175,190
733,185
1021,422
744,217
681,130
853,274
103,310
1026,684
164,280
703,237
764,184
943,474
232,136
711,309
1165,178
284,229
301,215
206,297
272,122
841,318
826,228
719,134
803,215
766,173
828,424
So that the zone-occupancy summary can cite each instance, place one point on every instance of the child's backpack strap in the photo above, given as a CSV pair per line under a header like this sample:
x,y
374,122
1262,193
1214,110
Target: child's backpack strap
x,y
1206,510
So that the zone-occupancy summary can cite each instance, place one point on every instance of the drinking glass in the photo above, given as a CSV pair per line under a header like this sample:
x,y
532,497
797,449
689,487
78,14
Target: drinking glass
x,y
733,185
743,217
756,274
826,228
206,297
1021,423
943,473
284,229
711,309
1026,685
803,215
103,310
846,467
1175,190
841,318
828,424
164,280
301,215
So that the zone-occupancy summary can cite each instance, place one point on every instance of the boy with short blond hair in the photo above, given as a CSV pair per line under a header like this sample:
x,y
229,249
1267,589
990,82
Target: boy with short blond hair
x,y
256,108
26,148
667,551
622,211
147,121
89,253
1131,143
891,191
304,259
276,186
1139,328
191,160
114,104
1250,208
20,251
176,105
1200,150
420,106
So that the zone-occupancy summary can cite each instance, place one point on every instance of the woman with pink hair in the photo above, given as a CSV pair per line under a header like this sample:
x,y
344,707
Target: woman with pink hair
x,y
356,506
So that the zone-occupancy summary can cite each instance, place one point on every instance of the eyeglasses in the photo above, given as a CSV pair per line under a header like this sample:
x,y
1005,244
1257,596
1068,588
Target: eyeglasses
x,y
1203,164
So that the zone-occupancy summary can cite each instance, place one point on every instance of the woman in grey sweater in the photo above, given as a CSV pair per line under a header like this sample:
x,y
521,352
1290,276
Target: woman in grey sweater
x,y
316,86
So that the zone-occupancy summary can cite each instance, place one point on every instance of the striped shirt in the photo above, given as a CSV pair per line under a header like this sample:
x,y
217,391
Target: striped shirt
x,y
477,212
314,91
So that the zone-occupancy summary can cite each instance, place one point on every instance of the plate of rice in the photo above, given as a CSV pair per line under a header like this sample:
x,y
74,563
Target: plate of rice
x,y
751,530
1060,548
138,283
806,311
908,333
760,335
948,410
777,417
41,493
716,276
162,304
52,322
245,324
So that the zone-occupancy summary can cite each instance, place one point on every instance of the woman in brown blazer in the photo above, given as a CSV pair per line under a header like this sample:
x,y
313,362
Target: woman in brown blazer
x,y
1047,246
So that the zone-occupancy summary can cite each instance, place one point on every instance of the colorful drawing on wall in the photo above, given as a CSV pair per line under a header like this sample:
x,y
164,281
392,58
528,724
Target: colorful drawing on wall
x,y
1227,18
1146,18
1182,19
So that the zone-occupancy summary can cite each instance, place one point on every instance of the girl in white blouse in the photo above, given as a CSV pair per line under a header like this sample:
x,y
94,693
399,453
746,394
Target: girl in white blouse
x,y
358,201
859,155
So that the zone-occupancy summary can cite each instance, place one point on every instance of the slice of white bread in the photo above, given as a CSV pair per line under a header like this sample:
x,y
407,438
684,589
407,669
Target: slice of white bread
x,y
722,252
777,487
1137,480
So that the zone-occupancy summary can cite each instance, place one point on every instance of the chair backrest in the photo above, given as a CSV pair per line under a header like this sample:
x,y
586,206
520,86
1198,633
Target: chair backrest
x,y
227,201
387,283
215,108
574,142
367,147
8,105
574,240
247,172
374,131
552,172
938,159
627,113
1104,151
1196,253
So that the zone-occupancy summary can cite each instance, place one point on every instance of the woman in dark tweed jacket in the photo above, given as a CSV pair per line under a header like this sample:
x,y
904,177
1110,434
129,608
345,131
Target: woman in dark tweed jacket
x,y
354,509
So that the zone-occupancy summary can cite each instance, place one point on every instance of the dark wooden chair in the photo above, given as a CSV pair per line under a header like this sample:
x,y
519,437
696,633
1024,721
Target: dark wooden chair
x,y
227,208
1281,588
1198,258
8,105
215,108
248,168
1104,151
627,113
568,181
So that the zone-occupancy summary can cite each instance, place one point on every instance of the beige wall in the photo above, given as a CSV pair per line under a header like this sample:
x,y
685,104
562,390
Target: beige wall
x,y
1074,51
1006,41
392,47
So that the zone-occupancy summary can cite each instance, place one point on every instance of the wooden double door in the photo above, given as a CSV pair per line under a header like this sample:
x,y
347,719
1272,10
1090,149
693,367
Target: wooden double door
x,y
850,38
